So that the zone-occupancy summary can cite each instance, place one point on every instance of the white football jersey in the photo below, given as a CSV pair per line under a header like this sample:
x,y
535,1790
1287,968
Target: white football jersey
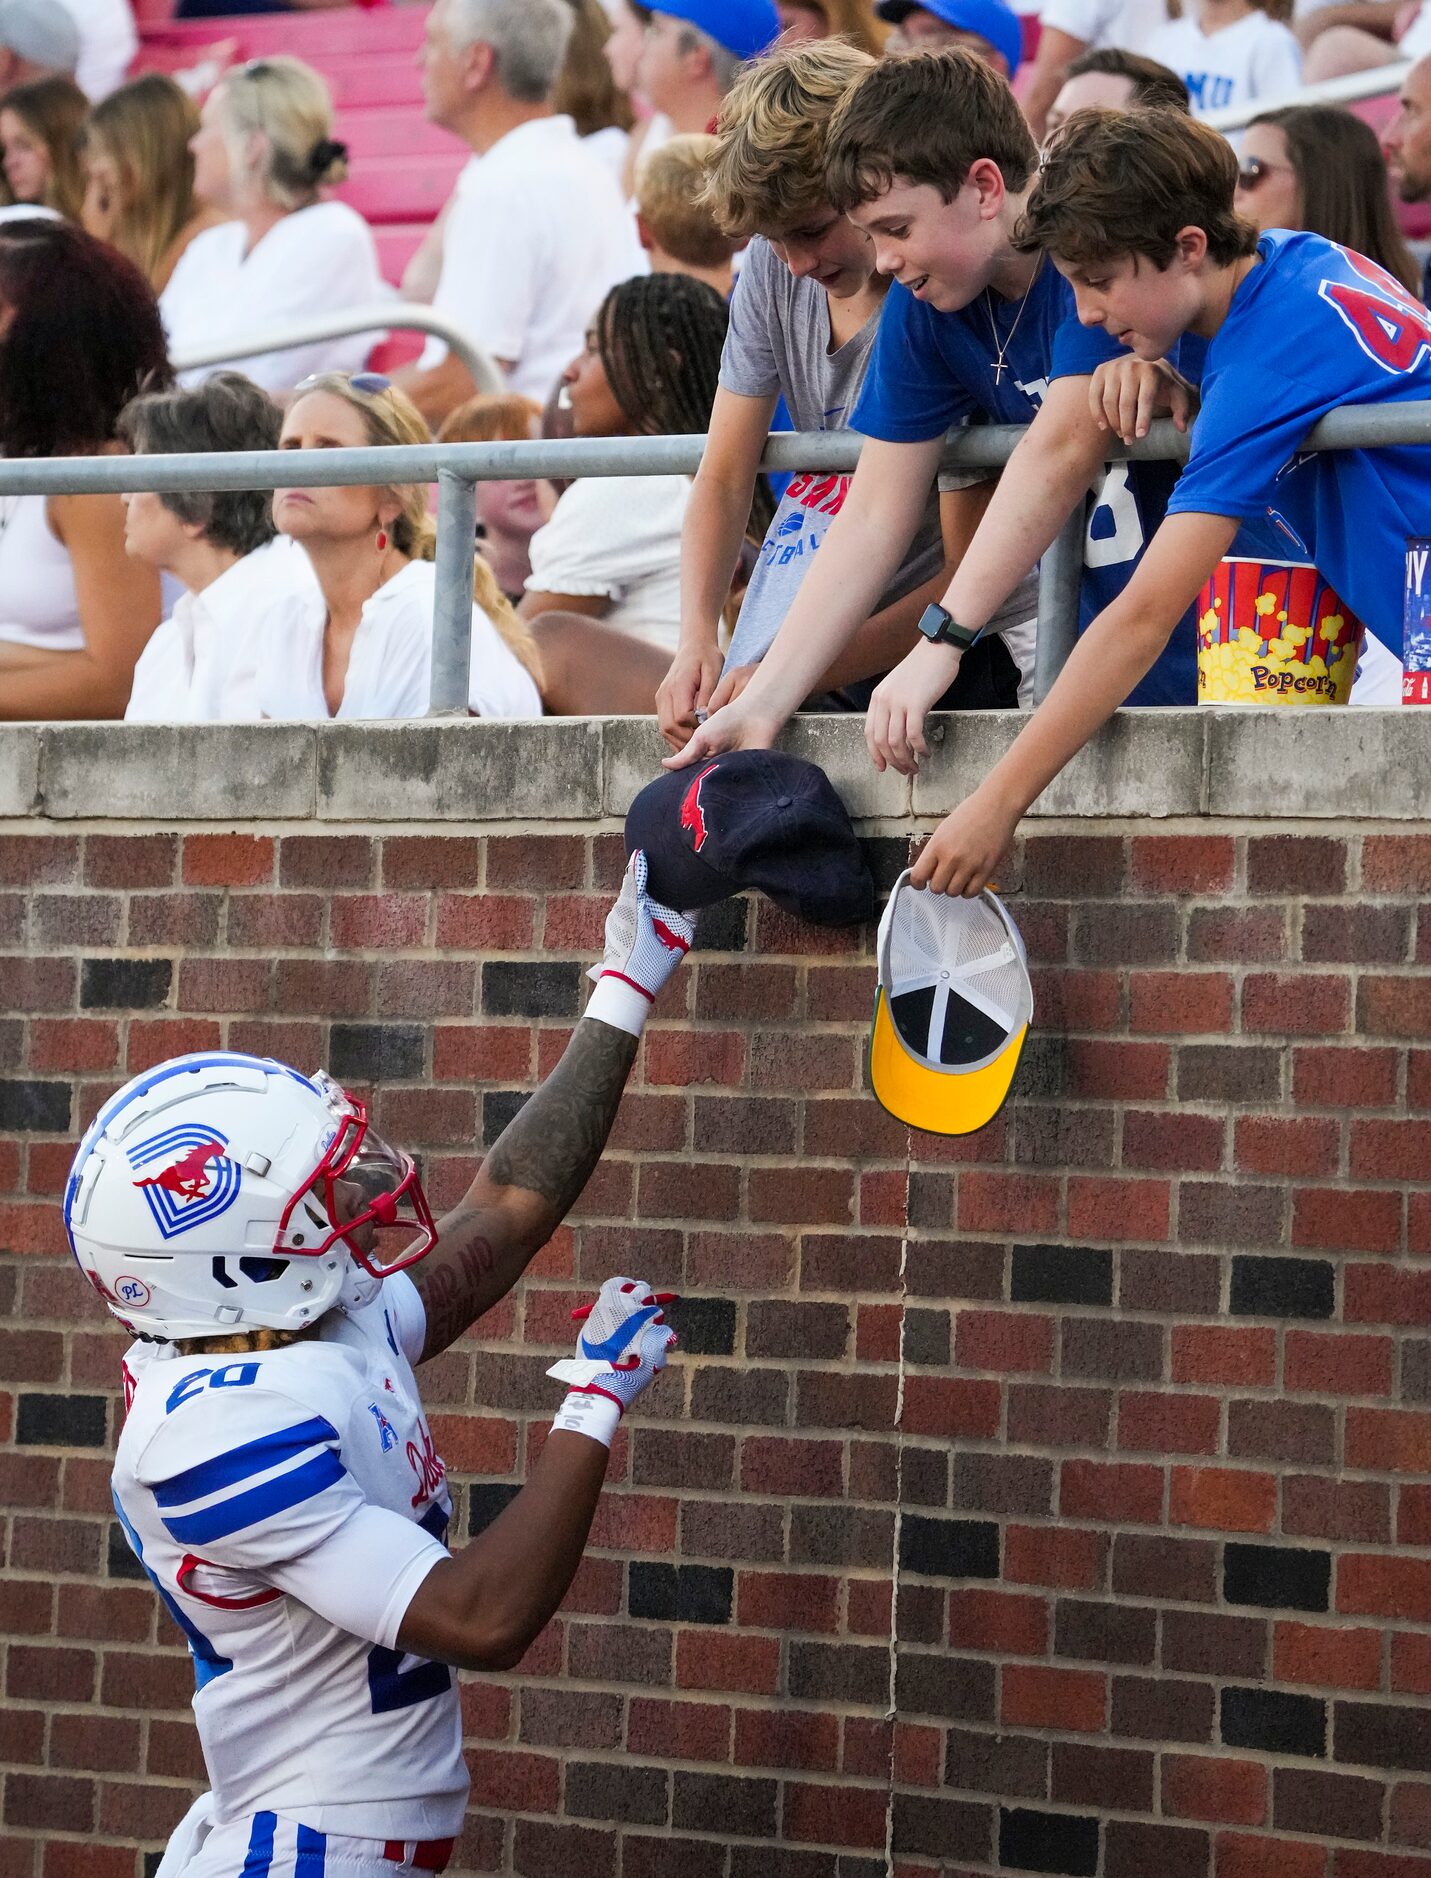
x,y
287,1505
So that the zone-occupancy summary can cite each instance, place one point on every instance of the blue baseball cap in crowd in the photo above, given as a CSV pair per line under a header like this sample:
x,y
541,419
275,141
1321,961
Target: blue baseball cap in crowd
x,y
752,818
745,28
990,19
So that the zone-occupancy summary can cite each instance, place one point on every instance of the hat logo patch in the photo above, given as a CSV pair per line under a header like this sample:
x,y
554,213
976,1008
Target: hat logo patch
x,y
197,1184
693,816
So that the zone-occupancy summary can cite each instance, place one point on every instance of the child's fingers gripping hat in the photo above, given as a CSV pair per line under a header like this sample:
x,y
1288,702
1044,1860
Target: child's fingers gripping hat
x,y
952,1009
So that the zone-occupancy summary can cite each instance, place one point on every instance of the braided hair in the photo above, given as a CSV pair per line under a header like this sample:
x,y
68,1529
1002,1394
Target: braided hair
x,y
660,338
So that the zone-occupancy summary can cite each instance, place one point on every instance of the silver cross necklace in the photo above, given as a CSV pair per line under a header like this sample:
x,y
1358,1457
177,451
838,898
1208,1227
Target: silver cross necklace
x,y
997,365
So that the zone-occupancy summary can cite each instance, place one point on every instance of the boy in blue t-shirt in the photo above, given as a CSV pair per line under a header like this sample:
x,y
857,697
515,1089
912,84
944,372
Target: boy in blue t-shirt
x,y
1135,210
932,158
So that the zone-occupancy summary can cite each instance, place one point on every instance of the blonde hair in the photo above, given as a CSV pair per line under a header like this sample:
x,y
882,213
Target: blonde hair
x,y
145,128
671,202
290,107
768,167
392,419
54,110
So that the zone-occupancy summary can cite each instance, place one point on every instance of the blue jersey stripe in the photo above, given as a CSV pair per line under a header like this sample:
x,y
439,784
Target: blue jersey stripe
x,y
254,1457
312,1859
258,1862
259,1503
207,1661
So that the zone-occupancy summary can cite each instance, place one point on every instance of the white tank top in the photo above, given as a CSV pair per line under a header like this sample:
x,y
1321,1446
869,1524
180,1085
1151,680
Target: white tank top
x,y
38,606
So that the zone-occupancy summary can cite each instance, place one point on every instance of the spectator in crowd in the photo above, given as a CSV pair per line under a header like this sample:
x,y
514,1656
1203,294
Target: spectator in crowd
x,y
1114,80
1229,52
1316,166
536,229
677,229
38,39
201,665
139,175
622,52
41,125
1070,28
987,28
107,44
587,91
509,513
1406,142
831,19
263,152
362,645
802,324
1340,39
604,589
693,50
81,337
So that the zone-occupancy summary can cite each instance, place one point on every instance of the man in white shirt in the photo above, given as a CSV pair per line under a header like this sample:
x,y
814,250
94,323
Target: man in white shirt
x,y
536,232
1406,143
38,39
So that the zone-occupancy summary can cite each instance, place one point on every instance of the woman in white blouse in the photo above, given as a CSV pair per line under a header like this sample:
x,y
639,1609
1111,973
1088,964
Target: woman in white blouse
x,y
362,645
262,153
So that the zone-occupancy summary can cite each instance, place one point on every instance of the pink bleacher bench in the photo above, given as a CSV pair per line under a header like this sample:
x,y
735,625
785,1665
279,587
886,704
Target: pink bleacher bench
x,y
401,189
344,30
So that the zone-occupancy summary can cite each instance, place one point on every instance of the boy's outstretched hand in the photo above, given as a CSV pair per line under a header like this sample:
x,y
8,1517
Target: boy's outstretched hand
x,y
961,856
1125,395
739,725
894,723
686,689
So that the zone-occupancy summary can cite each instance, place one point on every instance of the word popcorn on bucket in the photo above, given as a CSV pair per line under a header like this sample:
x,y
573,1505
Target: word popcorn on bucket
x,y
1274,632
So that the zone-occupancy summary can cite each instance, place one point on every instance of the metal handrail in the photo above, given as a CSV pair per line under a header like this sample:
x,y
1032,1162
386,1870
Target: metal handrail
x,y
1348,89
380,317
457,468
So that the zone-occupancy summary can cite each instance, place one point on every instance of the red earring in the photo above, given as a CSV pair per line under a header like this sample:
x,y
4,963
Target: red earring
x,y
382,539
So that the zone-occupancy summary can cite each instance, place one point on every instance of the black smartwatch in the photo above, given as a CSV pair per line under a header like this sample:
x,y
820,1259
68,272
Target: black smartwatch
x,y
940,628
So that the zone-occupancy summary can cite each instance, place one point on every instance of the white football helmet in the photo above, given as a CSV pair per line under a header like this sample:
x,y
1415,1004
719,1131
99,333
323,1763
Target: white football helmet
x,y
220,1192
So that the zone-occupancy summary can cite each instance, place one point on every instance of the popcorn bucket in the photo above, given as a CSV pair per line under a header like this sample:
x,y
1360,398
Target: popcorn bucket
x,y
1416,659
1274,632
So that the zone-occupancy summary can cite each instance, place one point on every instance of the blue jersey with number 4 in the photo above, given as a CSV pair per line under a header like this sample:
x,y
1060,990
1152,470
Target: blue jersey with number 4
x,y
1310,329
930,370
287,1504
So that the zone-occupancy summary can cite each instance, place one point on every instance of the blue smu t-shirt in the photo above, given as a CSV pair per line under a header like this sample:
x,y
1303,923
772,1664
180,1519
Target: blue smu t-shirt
x,y
1315,327
931,370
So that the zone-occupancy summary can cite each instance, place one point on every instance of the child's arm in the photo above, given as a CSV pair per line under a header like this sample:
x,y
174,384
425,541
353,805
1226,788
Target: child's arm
x,y
1115,652
857,559
715,524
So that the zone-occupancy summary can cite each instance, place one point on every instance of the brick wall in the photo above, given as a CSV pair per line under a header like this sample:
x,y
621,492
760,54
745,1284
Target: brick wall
x,y
1104,1436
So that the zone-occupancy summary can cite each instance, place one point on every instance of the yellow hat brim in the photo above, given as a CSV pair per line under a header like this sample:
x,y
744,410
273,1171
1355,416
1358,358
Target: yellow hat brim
x,y
939,1101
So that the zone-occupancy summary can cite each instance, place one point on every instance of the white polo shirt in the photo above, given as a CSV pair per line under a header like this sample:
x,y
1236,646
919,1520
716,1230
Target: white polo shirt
x,y
201,665
321,259
537,236
390,665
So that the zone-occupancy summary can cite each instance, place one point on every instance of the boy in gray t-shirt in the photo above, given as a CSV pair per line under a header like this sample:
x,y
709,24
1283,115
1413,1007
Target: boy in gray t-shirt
x,y
802,325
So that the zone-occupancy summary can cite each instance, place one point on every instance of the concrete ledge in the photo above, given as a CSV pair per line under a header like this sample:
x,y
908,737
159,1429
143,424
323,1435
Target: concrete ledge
x,y
1284,764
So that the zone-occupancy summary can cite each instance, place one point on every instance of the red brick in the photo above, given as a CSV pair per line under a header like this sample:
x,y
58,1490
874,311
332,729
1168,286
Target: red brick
x,y
72,1044
1167,1422
1236,935
1360,1864
635,1522
1390,1150
1388,1005
1295,1004
1396,863
712,1660
94,1743
1343,1219
1377,1585
1413,1515
1323,1362
787,1601
499,1053
678,1731
225,984
1073,866
1180,1003
1116,1070
951,1406
1343,1077
682,1057
1101,1208
802,1195
1074,1701
1296,864
1410,1822
1007,1203
918,1752
767,1737
1388,1441
1008,1623
1124,1493
1204,1786
1226,1499
1218,1354
553,862
1175,1140
326,861
511,1781
501,922
1273,1144
1067,999
432,860
1004,1341
1182,864
38,1801
228,860
1411,1663
1247,1855
129,861
775,1464
1065,1557
843,1815
1378,1294
1325,1656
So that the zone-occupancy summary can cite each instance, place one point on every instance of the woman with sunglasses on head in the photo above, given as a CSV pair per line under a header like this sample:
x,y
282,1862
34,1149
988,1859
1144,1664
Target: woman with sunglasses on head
x,y
362,645
262,154
1319,168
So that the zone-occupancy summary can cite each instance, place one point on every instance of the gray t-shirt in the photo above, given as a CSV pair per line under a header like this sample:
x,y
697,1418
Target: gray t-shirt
x,y
779,341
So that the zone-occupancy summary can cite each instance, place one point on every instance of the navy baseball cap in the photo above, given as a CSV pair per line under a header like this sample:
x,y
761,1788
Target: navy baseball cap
x,y
745,28
990,19
752,818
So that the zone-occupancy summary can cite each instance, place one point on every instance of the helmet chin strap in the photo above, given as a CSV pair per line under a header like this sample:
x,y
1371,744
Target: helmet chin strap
x,y
359,1287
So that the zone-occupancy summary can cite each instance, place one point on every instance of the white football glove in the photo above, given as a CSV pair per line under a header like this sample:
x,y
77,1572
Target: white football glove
x,y
620,1350
645,942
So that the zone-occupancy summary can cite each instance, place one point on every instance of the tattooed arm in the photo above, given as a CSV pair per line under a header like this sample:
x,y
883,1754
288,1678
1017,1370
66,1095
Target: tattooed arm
x,y
527,1184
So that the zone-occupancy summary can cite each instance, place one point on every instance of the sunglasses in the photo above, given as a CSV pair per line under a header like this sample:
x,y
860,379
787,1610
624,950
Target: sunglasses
x,y
369,383
1252,171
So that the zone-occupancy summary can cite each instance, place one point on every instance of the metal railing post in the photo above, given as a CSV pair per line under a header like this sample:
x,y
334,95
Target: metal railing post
x,y
1059,576
452,599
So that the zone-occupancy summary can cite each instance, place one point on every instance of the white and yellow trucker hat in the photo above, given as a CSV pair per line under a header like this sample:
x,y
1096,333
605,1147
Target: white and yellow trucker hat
x,y
952,1009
